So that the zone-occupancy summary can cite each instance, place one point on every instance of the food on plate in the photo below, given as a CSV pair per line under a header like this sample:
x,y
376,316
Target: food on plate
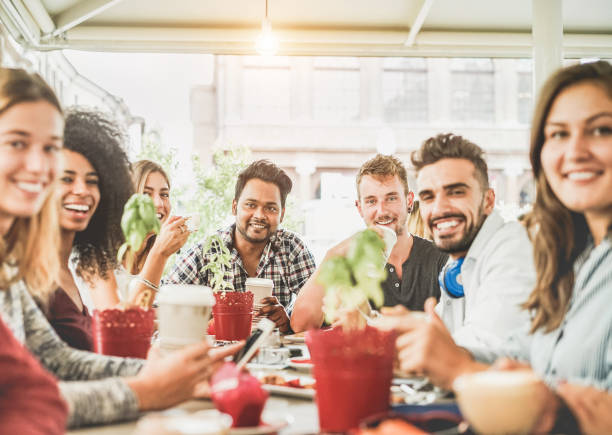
x,y
280,381
393,427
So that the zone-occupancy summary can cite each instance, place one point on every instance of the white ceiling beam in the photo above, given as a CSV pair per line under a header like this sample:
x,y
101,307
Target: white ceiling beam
x,y
322,42
418,22
40,15
81,12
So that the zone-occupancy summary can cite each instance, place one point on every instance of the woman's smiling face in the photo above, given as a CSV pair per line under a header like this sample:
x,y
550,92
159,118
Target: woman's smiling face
x,y
30,142
577,152
80,194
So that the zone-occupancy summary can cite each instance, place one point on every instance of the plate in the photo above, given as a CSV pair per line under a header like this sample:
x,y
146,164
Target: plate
x,y
271,424
282,390
295,338
300,364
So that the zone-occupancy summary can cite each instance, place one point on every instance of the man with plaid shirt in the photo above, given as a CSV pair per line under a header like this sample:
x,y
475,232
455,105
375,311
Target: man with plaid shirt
x,y
258,247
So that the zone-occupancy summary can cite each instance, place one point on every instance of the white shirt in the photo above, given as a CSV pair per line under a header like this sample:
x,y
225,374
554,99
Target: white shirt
x,y
122,276
498,275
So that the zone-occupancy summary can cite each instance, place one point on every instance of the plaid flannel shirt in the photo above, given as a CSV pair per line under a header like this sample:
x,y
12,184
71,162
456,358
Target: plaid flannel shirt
x,y
285,260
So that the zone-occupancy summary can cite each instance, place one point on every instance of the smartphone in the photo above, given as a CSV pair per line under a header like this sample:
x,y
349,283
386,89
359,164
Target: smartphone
x,y
254,342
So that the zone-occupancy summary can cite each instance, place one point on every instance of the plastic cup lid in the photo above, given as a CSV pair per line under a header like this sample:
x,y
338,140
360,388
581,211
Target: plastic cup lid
x,y
262,282
186,294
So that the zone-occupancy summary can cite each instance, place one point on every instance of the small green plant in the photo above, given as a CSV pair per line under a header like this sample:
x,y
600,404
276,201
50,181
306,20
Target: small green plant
x,y
355,279
219,260
139,219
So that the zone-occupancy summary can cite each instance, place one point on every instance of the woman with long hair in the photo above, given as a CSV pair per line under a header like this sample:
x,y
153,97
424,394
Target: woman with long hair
x,y
150,179
30,138
115,388
569,340
94,186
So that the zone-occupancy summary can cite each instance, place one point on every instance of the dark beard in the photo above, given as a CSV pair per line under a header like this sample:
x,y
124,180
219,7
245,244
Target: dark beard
x,y
465,242
250,239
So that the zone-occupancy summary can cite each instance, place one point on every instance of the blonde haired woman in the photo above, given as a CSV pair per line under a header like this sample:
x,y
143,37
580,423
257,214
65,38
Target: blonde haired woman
x,y
31,126
150,179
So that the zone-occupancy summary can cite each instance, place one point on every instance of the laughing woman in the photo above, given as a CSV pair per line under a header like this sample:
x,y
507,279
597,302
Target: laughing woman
x,y
151,179
94,186
96,388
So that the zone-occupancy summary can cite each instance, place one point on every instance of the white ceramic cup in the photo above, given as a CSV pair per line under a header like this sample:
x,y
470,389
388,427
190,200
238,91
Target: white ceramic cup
x,y
390,239
260,287
183,314
500,402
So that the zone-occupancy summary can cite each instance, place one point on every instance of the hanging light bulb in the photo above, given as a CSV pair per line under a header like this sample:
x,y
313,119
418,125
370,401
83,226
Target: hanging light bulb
x,y
266,43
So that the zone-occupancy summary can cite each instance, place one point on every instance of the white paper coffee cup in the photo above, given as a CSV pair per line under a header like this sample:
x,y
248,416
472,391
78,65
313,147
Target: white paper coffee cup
x,y
183,313
260,287
193,222
390,239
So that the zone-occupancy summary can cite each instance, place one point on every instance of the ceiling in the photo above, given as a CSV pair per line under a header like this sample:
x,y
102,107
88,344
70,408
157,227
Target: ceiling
x,y
491,28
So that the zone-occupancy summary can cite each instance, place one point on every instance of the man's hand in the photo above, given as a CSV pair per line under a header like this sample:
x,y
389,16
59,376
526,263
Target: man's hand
x,y
425,347
172,379
273,310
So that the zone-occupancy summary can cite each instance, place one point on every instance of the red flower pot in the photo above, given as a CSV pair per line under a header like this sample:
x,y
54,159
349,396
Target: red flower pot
x,y
353,372
233,314
123,333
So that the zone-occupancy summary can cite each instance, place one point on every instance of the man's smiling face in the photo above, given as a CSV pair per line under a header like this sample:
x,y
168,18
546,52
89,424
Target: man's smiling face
x,y
383,201
453,203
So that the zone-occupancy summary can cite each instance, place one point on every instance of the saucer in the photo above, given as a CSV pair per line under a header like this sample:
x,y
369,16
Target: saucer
x,y
271,424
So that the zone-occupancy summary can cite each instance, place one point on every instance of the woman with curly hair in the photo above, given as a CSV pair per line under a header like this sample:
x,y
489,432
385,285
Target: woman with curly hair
x,y
96,388
91,221
151,179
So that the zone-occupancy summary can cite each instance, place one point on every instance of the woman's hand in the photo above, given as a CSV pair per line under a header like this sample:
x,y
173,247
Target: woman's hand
x,y
172,379
591,407
172,236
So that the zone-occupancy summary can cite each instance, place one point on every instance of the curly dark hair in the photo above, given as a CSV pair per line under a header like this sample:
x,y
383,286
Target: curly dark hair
x,y
100,140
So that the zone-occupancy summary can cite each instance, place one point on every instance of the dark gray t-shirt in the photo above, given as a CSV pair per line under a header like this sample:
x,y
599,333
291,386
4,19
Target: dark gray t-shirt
x,y
419,276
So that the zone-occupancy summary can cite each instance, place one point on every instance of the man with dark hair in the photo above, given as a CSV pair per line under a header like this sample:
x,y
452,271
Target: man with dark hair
x,y
383,199
259,248
490,272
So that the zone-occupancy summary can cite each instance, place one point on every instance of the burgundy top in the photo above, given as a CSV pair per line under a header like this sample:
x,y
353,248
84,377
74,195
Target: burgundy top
x,y
72,325
30,402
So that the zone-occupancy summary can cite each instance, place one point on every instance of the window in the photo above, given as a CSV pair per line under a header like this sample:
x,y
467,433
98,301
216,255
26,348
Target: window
x,y
404,84
266,92
472,90
525,93
336,89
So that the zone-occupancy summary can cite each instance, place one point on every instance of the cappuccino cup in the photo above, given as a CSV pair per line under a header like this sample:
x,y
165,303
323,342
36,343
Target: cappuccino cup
x,y
183,313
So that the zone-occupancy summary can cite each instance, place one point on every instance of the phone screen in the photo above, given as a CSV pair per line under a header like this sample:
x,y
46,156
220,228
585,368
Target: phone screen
x,y
249,343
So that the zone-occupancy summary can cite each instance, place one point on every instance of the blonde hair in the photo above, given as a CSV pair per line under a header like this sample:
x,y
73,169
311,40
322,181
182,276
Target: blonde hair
x,y
31,245
29,250
415,224
142,169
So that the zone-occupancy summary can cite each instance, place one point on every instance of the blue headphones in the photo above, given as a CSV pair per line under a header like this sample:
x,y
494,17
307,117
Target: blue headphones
x,y
450,278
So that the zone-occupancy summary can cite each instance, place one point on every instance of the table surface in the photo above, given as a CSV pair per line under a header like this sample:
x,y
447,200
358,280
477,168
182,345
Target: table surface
x,y
303,413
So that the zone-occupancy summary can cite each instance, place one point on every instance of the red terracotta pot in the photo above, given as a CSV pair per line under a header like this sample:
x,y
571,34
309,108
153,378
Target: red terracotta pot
x,y
233,314
353,372
123,333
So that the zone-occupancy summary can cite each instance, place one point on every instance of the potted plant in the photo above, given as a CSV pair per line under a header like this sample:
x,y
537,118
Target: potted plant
x,y
127,332
353,364
233,311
